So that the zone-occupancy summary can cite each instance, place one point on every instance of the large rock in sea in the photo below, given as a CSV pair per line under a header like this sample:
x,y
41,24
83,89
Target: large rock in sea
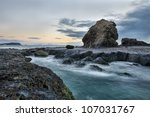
x,y
102,34
133,42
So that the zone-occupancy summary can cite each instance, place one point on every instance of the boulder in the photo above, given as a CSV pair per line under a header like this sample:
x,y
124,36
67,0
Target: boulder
x,y
100,60
96,68
132,42
102,34
68,61
41,53
69,46
145,60
82,55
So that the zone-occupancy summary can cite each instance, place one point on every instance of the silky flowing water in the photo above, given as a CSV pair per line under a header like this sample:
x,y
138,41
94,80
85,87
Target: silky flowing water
x,y
119,80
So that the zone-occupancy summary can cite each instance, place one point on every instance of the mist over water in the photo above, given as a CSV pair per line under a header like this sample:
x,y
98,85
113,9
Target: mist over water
x,y
112,83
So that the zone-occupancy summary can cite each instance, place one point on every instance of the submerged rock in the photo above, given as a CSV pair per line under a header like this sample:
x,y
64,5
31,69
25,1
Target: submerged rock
x,y
96,68
68,61
102,34
23,80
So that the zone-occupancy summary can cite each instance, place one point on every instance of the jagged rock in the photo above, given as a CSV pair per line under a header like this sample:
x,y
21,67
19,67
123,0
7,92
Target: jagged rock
x,y
68,61
133,42
96,68
88,58
100,60
41,53
23,80
79,63
102,34
82,55
133,58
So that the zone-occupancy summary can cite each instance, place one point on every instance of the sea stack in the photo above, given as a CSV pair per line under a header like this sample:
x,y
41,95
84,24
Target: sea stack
x,y
102,34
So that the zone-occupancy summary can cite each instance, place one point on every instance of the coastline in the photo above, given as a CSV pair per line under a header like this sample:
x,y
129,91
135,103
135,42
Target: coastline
x,y
21,79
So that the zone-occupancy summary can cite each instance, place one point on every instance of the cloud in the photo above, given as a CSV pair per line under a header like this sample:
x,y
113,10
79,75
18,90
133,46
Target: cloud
x,y
58,38
72,33
74,28
34,38
137,23
1,36
75,23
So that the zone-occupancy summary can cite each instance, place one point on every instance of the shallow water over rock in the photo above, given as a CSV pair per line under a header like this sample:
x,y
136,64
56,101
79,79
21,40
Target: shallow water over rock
x,y
118,80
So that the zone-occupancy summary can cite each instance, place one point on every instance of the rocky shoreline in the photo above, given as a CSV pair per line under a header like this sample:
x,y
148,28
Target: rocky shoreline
x,y
21,80
79,56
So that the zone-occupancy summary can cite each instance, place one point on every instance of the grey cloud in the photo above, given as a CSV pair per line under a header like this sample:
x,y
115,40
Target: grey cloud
x,y
75,23
72,27
72,33
36,38
137,23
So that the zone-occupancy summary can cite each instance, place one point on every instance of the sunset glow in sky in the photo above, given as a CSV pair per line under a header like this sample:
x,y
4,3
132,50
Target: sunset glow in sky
x,y
66,21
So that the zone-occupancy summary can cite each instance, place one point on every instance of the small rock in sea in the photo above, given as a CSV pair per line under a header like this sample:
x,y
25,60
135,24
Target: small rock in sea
x,y
96,68
125,74
88,58
69,46
28,59
100,60
41,53
80,63
68,61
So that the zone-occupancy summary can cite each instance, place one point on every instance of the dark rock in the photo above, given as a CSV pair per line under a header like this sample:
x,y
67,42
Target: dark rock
x,y
133,58
28,59
100,60
102,34
122,56
80,63
41,53
68,61
82,55
23,80
96,68
125,74
145,60
69,46
88,58
133,42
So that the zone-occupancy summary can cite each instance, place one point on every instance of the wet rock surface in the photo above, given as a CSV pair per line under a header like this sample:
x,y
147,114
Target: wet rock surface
x,y
20,79
81,56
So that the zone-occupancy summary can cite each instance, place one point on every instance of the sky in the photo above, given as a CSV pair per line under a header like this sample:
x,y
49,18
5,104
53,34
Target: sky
x,y
67,21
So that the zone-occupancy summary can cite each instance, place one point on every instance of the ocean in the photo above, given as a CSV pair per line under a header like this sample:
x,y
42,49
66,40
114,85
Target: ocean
x,y
110,84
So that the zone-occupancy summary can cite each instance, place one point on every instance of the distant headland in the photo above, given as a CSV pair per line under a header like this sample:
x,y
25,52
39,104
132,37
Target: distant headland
x,y
11,43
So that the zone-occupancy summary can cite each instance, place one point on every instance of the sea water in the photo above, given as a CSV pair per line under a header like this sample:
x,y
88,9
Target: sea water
x,y
119,80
